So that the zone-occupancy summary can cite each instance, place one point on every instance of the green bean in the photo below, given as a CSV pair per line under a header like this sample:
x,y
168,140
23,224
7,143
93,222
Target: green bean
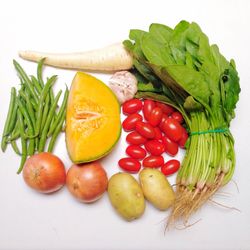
x,y
56,132
23,142
24,112
15,147
15,134
45,111
8,119
26,80
60,113
36,143
13,119
43,96
48,121
22,94
39,72
51,95
34,105
22,84
52,98
29,107
36,85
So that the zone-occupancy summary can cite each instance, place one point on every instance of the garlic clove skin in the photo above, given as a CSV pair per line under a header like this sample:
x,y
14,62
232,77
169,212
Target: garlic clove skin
x,y
124,85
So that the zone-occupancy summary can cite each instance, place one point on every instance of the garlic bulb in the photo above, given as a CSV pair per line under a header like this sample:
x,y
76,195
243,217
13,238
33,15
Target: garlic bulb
x,y
124,85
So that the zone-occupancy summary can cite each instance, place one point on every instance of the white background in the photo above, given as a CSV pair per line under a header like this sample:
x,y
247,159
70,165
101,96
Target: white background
x,y
33,221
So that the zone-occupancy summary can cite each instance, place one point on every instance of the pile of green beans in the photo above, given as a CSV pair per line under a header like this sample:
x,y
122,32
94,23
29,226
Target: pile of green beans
x,y
34,116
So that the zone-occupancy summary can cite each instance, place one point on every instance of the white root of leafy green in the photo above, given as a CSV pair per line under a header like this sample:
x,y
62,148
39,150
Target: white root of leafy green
x,y
123,85
111,58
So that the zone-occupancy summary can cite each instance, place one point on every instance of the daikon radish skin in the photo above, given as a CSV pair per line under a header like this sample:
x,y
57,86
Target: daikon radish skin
x,y
110,58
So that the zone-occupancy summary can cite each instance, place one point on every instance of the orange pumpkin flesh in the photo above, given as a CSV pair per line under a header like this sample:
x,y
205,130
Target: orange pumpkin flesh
x,y
93,119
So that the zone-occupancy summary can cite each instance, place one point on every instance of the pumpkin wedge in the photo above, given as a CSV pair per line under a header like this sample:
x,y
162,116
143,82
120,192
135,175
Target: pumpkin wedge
x,y
93,124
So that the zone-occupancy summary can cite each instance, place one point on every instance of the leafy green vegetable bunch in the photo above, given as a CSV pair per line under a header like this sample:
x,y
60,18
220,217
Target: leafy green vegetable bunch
x,y
179,67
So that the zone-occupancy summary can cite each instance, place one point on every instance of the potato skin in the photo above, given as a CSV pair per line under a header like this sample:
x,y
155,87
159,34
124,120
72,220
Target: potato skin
x,y
126,196
156,188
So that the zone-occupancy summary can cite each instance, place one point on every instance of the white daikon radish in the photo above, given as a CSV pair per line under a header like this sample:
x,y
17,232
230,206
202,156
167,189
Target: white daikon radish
x,y
111,58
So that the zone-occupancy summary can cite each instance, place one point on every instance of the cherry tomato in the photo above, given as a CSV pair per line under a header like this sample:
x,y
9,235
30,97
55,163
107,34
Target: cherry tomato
x,y
147,108
171,147
166,109
132,106
155,116
153,161
170,167
136,152
158,134
145,129
177,116
135,138
172,129
184,138
163,119
155,147
129,123
129,164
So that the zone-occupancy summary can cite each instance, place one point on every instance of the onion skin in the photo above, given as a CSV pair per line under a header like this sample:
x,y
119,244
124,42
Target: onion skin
x,y
87,182
44,172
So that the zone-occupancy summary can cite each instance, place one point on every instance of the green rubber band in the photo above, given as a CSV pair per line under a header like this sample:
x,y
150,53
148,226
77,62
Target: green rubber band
x,y
219,130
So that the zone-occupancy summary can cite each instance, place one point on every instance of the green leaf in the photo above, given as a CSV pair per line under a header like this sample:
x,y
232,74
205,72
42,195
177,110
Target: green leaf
x,y
136,34
156,97
232,90
145,71
156,52
128,45
191,105
149,87
162,32
191,81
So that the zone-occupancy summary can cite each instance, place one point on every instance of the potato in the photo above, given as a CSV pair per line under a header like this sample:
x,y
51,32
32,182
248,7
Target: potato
x,y
126,196
156,188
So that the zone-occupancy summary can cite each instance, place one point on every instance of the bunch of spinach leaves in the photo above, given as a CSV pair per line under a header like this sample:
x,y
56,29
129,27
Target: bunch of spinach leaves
x,y
179,67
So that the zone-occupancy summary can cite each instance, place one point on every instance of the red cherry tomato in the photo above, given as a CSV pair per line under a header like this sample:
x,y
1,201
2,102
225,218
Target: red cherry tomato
x,y
172,129
129,123
155,116
170,167
158,134
132,106
145,129
155,147
166,109
171,147
136,152
147,108
184,138
153,161
130,165
177,116
163,119
135,138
